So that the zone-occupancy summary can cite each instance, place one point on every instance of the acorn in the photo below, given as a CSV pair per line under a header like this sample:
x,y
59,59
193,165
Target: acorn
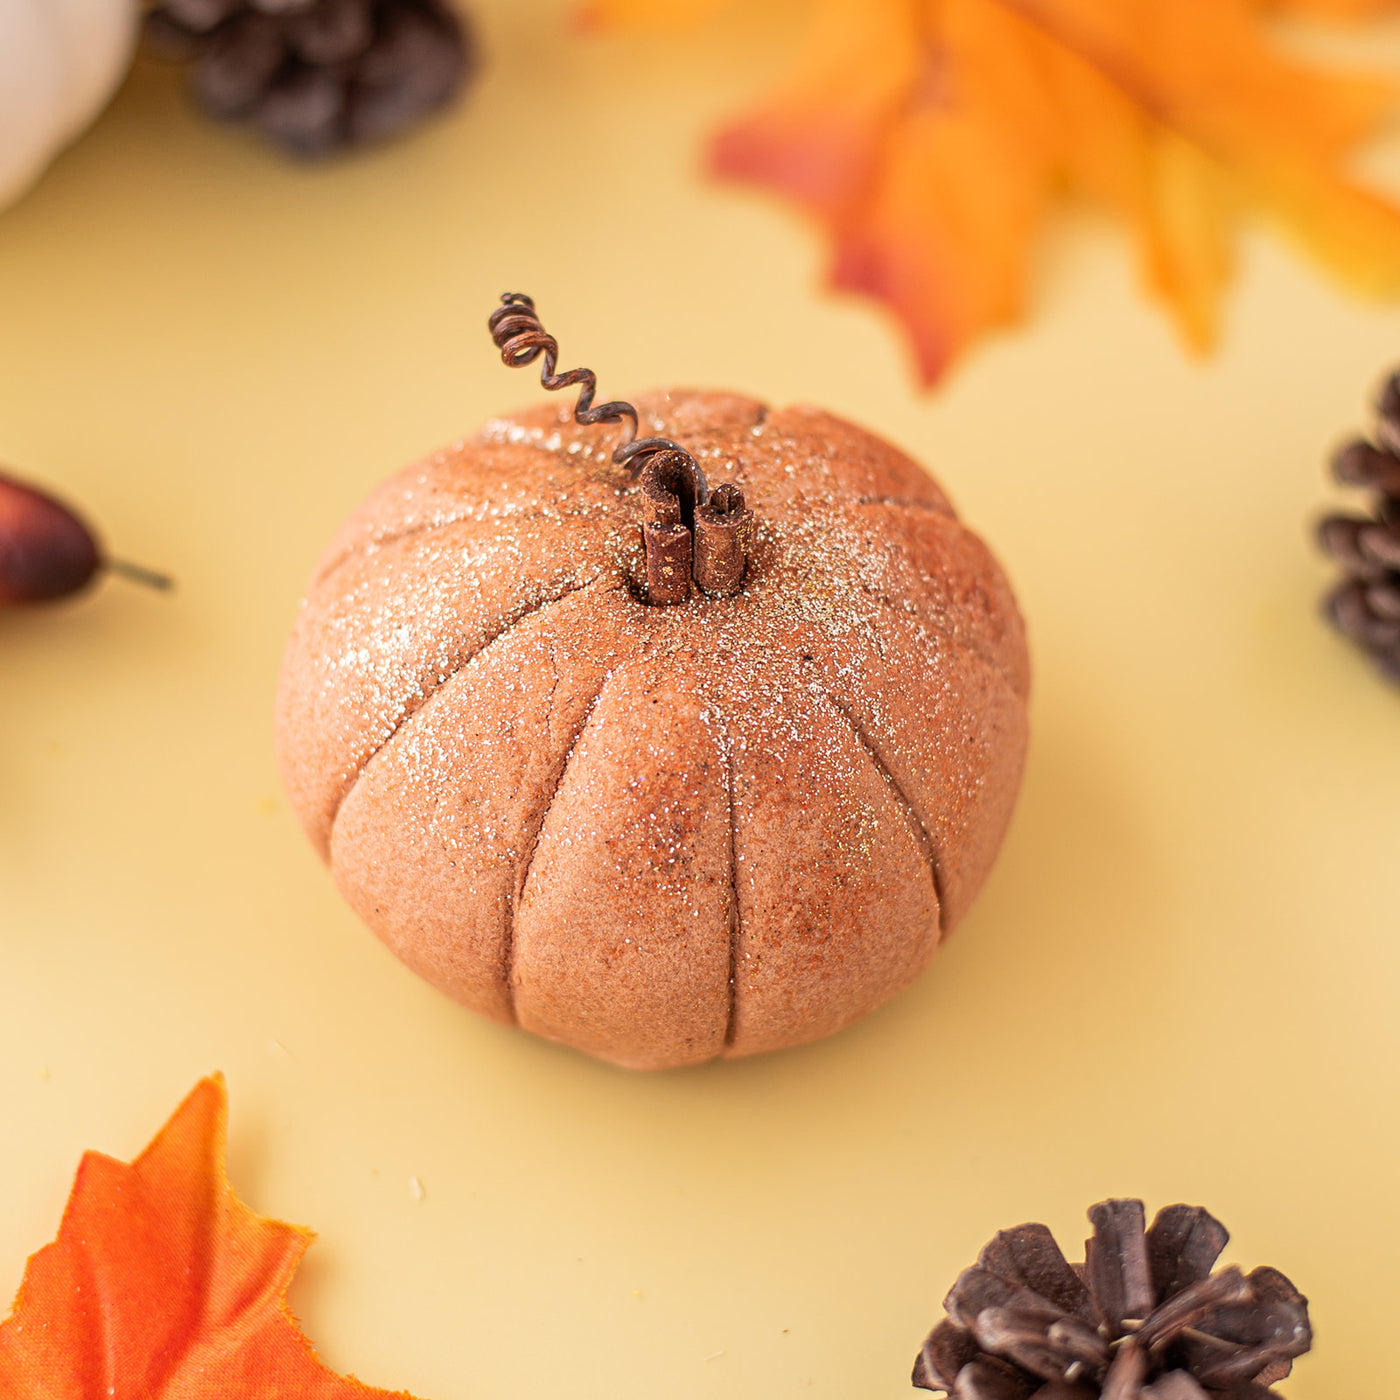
x,y
47,550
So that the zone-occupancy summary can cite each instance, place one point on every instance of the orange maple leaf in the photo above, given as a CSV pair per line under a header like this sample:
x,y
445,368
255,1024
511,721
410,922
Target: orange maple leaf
x,y
163,1285
928,137
1335,9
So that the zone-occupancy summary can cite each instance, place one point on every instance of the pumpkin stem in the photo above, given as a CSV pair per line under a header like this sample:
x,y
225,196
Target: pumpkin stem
x,y
687,530
723,530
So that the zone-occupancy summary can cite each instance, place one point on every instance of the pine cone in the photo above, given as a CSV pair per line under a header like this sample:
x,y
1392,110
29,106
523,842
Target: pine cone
x,y
1143,1318
1365,606
315,75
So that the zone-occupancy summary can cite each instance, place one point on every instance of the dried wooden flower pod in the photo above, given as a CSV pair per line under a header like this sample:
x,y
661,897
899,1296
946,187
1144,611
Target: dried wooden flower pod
x,y
1143,1318
658,833
1364,604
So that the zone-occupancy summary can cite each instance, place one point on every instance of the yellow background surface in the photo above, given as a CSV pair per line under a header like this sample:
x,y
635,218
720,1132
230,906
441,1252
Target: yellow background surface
x,y
1183,978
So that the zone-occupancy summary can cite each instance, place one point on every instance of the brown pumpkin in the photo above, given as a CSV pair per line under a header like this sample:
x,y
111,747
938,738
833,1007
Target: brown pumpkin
x,y
658,834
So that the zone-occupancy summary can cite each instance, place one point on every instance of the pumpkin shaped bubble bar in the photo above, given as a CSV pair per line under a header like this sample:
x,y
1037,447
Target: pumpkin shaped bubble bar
x,y
694,745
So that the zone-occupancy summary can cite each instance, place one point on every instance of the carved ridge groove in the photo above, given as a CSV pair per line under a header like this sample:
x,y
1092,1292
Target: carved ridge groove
x,y
528,863
928,847
365,549
954,642
509,623
736,922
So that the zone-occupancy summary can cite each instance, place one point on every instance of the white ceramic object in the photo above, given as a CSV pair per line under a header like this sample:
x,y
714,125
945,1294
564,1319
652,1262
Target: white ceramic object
x,y
60,60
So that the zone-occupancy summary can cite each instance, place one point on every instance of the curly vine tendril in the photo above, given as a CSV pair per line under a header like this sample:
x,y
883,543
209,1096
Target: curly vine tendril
x,y
688,532
520,336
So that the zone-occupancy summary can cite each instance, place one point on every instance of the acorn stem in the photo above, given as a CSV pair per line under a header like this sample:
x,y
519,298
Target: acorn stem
x,y
138,573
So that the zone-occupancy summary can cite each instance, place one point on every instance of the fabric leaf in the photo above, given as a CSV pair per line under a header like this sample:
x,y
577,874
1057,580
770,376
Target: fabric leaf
x,y
930,137
1334,9
651,14
162,1285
